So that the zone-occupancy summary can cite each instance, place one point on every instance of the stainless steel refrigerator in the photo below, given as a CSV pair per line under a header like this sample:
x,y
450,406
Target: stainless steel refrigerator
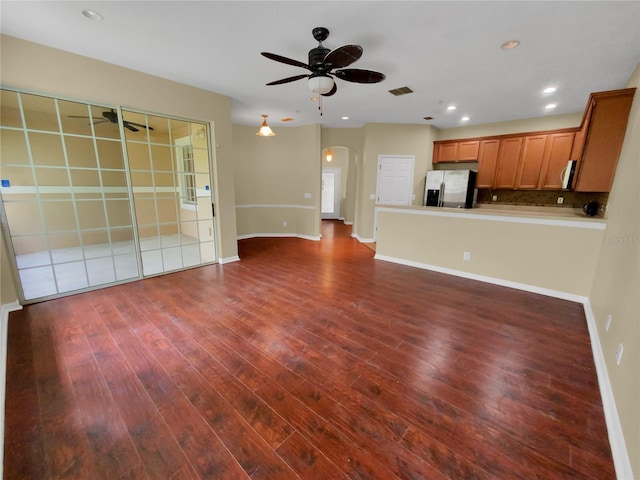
x,y
450,188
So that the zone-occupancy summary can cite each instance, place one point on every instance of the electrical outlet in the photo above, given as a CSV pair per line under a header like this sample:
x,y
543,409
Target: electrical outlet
x,y
619,353
560,200
494,198
466,256
284,224
607,324
307,196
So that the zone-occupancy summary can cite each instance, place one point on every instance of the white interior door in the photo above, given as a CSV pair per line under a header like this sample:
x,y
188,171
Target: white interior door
x,y
395,179
330,207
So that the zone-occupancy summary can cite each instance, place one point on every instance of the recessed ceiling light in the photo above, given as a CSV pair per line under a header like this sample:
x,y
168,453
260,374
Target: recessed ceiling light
x,y
345,118
465,118
549,90
451,107
92,15
510,44
550,106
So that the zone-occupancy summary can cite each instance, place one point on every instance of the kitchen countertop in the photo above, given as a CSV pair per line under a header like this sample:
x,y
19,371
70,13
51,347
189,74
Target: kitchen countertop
x,y
564,216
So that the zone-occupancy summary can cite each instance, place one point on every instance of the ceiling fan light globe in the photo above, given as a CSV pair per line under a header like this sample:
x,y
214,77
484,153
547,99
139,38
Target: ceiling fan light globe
x,y
320,84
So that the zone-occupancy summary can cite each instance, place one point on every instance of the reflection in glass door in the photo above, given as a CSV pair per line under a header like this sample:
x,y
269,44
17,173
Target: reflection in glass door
x,y
65,197
169,164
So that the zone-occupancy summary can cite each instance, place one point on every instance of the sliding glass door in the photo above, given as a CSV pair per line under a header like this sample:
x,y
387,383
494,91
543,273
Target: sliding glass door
x,y
169,162
73,186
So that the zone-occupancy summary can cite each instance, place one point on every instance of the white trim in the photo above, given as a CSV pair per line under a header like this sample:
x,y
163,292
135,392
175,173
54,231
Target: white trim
x,y
363,240
509,218
279,235
483,278
223,261
4,330
305,207
621,460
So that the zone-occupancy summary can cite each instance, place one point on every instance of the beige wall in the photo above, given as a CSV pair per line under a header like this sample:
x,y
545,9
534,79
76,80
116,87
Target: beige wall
x,y
548,122
552,257
617,283
272,176
30,66
391,139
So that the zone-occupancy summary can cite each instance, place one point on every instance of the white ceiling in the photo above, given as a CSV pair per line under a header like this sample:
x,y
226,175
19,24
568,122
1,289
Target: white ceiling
x,y
447,52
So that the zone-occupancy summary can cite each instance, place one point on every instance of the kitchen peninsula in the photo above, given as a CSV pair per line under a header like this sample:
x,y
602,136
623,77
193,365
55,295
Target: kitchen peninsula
x,y
542,251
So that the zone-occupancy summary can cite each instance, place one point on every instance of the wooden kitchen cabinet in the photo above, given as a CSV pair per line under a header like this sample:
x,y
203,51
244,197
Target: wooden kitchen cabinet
x,y
507,164
530,161
558,153
487,161
606,123
455,151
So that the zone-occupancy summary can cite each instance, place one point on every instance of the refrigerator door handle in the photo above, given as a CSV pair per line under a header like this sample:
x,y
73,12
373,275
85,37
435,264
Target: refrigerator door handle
x,y
441,196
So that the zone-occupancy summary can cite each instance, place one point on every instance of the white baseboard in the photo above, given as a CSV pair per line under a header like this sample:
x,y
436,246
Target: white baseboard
x,y
279,235
483,278
621,460
222,261
4,330
364,240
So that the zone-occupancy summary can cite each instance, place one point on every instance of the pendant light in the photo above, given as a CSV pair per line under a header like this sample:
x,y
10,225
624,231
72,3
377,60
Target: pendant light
x,y
265,130
328,155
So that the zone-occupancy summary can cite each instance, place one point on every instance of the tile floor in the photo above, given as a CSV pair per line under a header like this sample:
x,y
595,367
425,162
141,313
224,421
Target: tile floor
x,y
43,274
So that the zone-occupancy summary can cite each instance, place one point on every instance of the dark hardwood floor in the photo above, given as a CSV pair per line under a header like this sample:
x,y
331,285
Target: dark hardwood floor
x,y
304,360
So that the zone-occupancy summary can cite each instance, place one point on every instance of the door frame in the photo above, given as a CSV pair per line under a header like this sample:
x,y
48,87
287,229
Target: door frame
x,y
337,193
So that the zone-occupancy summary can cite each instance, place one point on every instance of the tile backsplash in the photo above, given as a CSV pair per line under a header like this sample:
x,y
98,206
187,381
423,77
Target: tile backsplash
x,y
541,198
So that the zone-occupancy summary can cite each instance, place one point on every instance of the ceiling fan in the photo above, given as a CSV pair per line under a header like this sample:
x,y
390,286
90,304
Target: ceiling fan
x,y
323,64
112,117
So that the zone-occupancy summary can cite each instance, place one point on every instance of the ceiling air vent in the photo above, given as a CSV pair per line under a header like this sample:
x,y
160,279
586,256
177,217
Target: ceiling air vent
x,y
400,91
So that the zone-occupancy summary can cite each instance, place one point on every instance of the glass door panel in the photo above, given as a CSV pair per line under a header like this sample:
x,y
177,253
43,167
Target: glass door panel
x,y
169,162
65,195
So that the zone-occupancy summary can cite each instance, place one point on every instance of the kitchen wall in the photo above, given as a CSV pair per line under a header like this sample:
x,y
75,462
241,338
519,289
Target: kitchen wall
x,y
542,198
542,123
617,282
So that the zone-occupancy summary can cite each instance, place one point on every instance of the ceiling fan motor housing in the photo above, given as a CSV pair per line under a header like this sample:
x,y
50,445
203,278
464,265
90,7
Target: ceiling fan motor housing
x,y
316,59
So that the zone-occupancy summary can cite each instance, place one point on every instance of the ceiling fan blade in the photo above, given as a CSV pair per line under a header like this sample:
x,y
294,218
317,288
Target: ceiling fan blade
x,y
281,59
333,90
130,127
359,76
288,79
136,124
77,116
343,56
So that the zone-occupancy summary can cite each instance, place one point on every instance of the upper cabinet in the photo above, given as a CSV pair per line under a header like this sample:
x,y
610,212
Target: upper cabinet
x,y
487,161
604,126
538,160
508,158
456,151
557,154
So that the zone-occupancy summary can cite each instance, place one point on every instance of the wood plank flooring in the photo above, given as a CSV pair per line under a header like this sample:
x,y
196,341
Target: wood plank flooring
x,y
305,360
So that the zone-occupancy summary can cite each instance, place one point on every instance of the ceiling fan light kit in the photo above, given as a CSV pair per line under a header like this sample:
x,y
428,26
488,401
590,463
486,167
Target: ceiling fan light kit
x,y
322,63
265,130
321,84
